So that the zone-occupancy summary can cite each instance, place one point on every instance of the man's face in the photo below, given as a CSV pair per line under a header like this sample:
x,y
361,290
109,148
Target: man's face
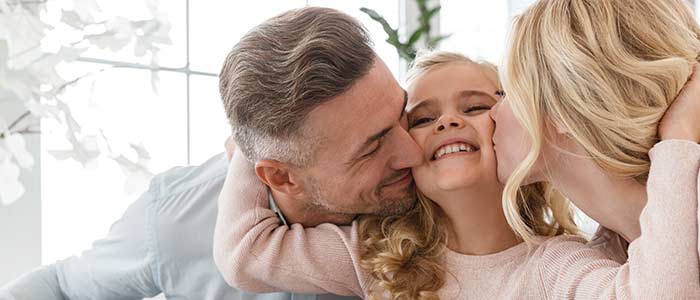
x,y
363,162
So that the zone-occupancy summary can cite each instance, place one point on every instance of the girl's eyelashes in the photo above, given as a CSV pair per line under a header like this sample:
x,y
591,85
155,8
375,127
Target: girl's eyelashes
x,y
469,107
476,108
420,121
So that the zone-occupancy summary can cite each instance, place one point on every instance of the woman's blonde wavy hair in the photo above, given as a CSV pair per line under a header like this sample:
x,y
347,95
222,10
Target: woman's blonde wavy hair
x,y
404,253
603,70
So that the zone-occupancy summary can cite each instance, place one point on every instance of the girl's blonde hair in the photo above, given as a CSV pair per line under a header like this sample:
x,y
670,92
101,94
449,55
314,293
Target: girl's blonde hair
x,y
404,253
603,70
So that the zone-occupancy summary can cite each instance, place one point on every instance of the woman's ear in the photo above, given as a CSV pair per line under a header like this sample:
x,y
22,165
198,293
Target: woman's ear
x,y
555,128
279,177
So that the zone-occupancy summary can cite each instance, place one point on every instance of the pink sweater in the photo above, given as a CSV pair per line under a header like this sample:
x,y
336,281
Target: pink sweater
x,y
255,253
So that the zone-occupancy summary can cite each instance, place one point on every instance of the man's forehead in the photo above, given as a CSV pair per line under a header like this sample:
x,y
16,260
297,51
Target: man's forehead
x,y
350,120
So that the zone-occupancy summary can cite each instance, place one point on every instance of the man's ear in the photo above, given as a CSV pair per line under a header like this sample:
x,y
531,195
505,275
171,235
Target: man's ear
x,y
280,177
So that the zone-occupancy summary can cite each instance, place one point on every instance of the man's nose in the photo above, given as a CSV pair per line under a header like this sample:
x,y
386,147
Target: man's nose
x,y
408,153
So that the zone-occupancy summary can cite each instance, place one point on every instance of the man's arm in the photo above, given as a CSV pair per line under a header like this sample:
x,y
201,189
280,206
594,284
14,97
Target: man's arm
x,y
41,283
120,266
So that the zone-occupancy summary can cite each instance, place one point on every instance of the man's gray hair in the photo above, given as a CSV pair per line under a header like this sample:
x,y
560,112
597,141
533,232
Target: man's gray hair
x,y
284,68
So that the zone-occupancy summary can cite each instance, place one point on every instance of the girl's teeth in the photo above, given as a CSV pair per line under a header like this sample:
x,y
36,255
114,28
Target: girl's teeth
x,y
453,149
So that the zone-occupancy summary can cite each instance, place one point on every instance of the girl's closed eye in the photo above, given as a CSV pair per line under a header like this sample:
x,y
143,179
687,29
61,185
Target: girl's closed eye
x,y
477,108
420,121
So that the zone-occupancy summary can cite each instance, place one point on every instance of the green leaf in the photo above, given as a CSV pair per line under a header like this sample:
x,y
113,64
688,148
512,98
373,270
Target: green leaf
x,y
429,15
422,6
377,17
412,53
394,42
415,36
434,42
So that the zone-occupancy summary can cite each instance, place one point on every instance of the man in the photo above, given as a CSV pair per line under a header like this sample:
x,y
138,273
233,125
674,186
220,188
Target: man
x,y
320,114
321,117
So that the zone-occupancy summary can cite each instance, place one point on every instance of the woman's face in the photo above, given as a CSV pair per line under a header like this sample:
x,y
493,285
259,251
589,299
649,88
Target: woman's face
x,y
510,140
448,117
512,144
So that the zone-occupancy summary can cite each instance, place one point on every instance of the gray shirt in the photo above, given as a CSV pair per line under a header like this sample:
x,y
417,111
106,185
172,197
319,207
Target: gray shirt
x,y
162,244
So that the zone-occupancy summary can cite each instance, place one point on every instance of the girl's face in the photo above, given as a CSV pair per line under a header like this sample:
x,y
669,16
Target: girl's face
x,y
448,117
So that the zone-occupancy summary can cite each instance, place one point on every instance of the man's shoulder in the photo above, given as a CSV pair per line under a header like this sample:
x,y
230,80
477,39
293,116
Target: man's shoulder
x,y
184,179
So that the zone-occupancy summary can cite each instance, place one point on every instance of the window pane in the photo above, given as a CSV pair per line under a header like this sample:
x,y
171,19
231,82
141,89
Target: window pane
x,y
478,28
388,9
517,6
208,124
215,26
79,204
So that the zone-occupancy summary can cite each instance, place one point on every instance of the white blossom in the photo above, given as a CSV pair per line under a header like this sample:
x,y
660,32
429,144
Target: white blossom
x,y
11,188
17,146
28,75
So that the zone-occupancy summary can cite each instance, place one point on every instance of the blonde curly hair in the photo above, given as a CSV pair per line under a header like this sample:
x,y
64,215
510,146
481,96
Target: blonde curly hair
x,y
404,253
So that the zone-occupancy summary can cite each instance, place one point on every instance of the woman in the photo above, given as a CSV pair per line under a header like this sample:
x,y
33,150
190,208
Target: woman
x,y
456,243
586,84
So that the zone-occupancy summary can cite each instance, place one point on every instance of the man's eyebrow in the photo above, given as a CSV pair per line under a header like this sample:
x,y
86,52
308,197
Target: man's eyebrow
x,y
373,138
370,140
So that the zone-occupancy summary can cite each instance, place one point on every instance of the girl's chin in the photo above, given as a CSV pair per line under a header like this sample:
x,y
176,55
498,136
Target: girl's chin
x,y
453,183
454,179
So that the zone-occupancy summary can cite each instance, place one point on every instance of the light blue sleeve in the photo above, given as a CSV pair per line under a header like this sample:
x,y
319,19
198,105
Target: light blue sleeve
x,y
120,266
41,283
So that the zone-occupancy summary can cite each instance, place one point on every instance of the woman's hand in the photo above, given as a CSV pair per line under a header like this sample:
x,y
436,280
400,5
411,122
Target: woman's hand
x,y
682,119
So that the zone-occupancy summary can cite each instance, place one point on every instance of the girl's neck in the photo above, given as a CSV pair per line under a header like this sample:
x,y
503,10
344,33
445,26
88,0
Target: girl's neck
x,y
475,221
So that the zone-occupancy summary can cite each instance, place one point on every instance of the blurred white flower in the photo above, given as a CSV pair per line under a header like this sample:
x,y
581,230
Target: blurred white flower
x,y
18,148
141,152
22,28
138,176
86,9
72,19
28,75
16,84
85,149
11,188
4,154
42,110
